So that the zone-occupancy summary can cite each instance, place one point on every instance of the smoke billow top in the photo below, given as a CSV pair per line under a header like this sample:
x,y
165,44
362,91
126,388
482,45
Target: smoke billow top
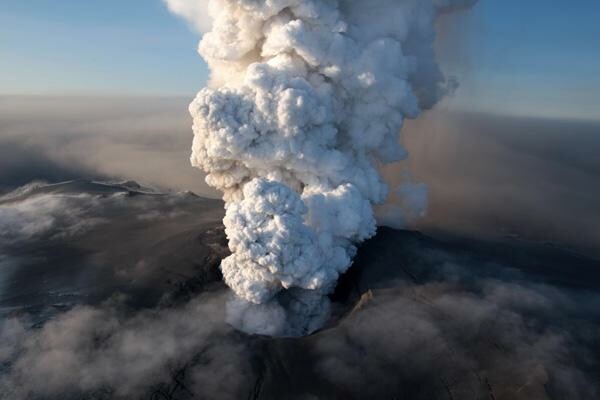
x,y
307,99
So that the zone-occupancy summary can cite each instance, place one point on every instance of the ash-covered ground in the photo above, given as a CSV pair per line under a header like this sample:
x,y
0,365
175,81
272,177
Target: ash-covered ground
x,y
113,291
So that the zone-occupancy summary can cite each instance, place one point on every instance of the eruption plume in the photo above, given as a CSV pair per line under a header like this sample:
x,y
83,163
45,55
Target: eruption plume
x,y
306,99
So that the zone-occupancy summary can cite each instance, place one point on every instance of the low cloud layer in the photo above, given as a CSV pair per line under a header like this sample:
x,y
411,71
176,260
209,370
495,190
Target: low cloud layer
x,y
485,175
60,138
104,352
414,317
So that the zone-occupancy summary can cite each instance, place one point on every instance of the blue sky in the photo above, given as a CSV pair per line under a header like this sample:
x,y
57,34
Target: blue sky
x,y
534,57
90,46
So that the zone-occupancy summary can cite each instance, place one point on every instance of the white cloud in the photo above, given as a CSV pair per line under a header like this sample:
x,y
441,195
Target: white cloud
x,y
195,12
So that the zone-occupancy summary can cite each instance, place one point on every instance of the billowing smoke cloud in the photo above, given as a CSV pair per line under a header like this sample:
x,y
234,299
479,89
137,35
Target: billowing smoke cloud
x,y
307,99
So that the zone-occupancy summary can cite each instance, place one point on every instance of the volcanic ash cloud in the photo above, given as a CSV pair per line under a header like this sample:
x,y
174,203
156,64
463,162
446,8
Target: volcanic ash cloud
x,y
307,98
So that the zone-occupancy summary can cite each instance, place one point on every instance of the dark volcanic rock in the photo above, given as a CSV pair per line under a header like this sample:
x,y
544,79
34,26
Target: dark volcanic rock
x,y
414,317
420,318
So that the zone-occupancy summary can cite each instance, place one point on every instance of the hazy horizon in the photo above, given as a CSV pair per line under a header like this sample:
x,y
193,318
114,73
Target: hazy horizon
x,y
544,169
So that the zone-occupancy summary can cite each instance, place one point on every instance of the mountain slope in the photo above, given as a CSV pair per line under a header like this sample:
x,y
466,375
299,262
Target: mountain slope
x,y
119,287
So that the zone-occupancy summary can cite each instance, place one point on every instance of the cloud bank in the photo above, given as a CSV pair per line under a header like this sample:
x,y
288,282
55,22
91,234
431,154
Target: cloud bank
x,y
422,319
104,351
487,175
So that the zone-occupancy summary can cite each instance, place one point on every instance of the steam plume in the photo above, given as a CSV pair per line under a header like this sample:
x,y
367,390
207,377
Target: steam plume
x,y
307,98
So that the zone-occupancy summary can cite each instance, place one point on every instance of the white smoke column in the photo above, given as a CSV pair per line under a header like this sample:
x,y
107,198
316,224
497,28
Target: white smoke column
x,y
307,98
